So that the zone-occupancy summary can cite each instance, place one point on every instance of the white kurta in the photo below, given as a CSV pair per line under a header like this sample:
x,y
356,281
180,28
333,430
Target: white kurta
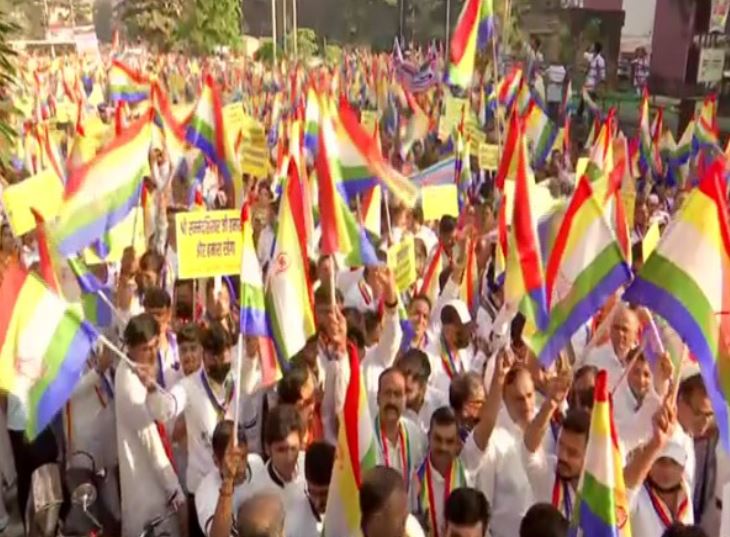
x,y
381,356
604,357
254,410
416,447
433,400
292,494
471,458
304,520
644,519
541,470
190,397
503,481
143,463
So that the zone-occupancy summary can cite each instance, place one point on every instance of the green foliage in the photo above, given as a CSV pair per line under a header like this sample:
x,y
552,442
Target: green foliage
x,y
510,22
265,52
7,71
103,14
211,24
306,43
332,54
153,21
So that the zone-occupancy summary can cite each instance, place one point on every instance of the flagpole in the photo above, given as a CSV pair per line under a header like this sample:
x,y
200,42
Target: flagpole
x,y
237,389
273,27
283,26
296,29
448,29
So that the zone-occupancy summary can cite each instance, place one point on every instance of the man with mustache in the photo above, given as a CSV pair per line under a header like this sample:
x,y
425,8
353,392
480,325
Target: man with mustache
x,y
466,398
401,444
449,464
624,336
205,398
422,399
554,478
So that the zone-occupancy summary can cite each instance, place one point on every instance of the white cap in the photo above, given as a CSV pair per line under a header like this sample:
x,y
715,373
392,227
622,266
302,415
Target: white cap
x,y
675,448
458,306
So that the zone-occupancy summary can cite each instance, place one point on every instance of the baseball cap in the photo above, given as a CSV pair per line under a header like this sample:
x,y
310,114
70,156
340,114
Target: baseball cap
x,y
674,449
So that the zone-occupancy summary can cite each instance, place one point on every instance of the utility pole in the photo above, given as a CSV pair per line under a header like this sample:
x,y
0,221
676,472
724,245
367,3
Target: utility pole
x,y
448,29
283,23
273,26
296,29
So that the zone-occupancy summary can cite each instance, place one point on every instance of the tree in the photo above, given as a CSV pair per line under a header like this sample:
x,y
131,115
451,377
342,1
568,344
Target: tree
x,y
154,21
7,74
103,16
211,24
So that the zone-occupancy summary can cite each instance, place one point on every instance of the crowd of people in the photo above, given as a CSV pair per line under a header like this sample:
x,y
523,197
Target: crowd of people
x,y
474,436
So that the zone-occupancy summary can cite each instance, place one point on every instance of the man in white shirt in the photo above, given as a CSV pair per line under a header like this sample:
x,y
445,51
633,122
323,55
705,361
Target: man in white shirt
x,y
554,478
659,495
380,354
451,354
422,399
307,516
466,514
624,336
366,294
632,392
519,402
224,489
451,463
401,443
595,75
295,388
466,398
384,506
555,75
144,448
205,398
262,515
419,315
283,473
157,303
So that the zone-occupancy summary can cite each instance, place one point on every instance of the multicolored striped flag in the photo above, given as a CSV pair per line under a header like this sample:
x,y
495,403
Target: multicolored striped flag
x,y
690,286
45,344
430,286
602,503
471,33
586,266
253,307
505,91
370,153
441,173
650,158
524,285
127,84
341,233
311,124
100,194
541,132
356,454
469,289
289,300
206,131
371,209
706,132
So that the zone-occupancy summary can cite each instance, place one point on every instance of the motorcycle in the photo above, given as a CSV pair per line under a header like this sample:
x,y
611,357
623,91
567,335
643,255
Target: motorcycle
x,y
72,508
